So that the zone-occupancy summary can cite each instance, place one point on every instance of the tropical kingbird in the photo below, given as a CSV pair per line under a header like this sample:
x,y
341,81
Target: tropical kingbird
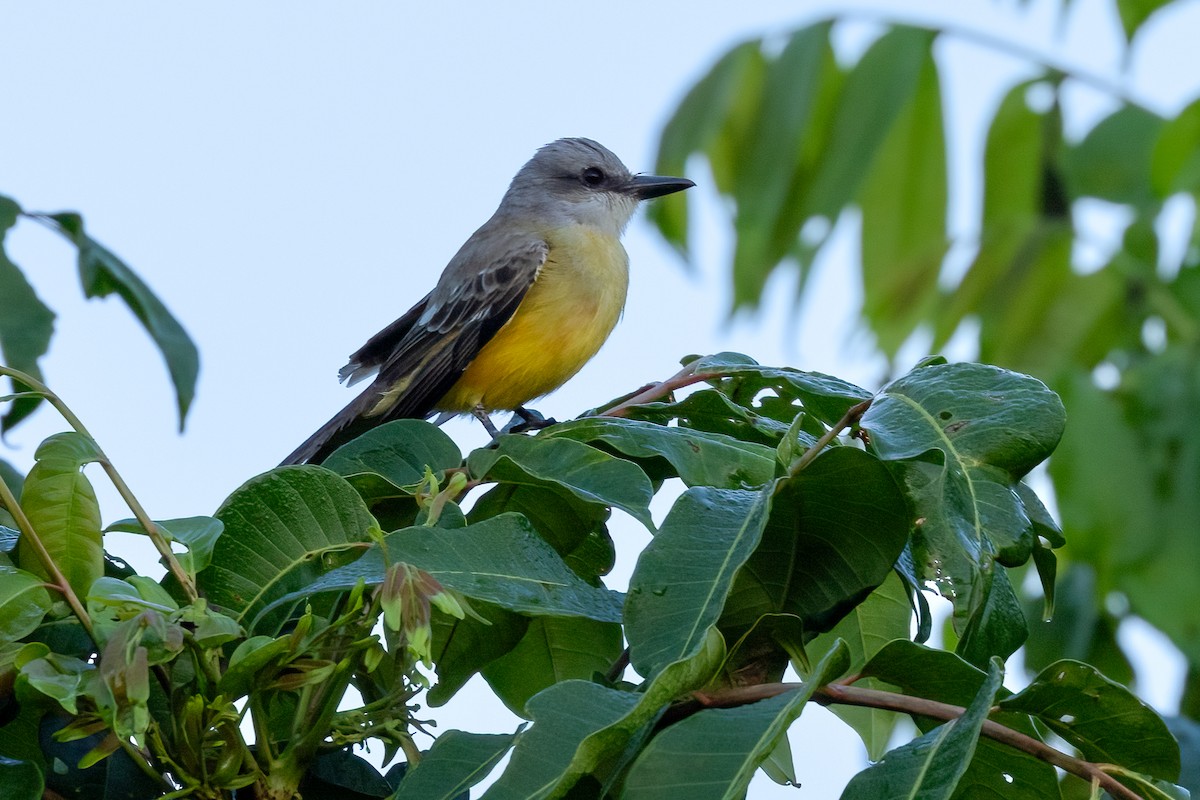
x,y
521,307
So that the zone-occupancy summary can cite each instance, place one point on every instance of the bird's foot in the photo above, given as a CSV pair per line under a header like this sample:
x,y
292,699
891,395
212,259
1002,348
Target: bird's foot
x,y
479,413
530,421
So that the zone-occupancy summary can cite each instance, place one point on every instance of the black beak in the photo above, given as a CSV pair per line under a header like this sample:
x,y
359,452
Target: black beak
x,y
645,187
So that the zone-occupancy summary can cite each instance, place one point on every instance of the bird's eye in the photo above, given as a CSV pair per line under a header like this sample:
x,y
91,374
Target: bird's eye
x,y
592,176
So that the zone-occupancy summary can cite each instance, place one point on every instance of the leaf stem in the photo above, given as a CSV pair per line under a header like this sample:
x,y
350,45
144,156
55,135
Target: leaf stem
x,y
851,416
160,544
838,693
654,391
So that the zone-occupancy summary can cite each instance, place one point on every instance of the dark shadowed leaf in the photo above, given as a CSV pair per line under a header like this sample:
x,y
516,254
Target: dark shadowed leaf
x,y
553,649
26,324
456,762
833,535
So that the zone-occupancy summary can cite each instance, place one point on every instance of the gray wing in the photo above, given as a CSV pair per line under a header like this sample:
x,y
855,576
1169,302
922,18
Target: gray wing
x,y
421,355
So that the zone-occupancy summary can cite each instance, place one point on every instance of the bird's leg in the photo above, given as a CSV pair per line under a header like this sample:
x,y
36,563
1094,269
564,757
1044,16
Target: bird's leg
x,y
479,413
530,421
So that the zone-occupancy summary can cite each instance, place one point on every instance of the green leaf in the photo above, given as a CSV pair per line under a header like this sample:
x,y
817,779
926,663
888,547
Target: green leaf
x,y
248,661
564,717
20,780
500,560
553,649
576,530
456,762
833,534
26,324
580,726
387,459
1175,162
929,767
24,601
683,762
696,124
697,457
1103,719
883,617
1134,14
767,222
61,506
589,474
876,91
996,626
904,203
682,578
823,396
1014,177
965,435
198,534
462,647
1113,160
283,530
101,273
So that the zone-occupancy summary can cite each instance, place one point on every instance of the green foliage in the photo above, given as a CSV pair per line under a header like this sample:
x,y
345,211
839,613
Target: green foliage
x,y
27,324
790,542
1115,332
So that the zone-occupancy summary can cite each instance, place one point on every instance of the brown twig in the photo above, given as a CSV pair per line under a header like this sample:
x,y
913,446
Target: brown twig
x,y
654,391
849,418
840,694
160,544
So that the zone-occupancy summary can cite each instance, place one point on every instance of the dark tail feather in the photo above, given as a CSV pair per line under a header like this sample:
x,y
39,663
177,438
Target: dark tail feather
x,y
347,424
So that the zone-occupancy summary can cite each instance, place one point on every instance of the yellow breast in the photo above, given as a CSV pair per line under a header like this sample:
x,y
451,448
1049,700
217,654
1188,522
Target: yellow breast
x,y
565,317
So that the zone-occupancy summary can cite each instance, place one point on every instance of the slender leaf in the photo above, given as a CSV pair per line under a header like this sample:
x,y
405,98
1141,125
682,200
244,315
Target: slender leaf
x,y
684,575
26,323
101,273
904,204
198,534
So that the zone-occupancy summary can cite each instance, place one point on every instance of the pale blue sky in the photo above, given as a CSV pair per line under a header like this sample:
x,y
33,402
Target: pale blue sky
x,y
290,177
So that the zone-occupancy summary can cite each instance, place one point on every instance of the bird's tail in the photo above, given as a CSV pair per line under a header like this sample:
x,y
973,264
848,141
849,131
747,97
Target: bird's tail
x,y
347,424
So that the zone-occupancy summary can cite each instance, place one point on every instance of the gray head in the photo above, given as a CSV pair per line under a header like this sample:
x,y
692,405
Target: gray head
x,y
581,181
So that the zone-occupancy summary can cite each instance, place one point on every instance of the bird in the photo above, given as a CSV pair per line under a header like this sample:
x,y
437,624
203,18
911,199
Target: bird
x,y
526,301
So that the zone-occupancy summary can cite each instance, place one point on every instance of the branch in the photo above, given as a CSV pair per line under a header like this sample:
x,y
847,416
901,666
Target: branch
x,y
160,544
654,391
853,415
839,694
